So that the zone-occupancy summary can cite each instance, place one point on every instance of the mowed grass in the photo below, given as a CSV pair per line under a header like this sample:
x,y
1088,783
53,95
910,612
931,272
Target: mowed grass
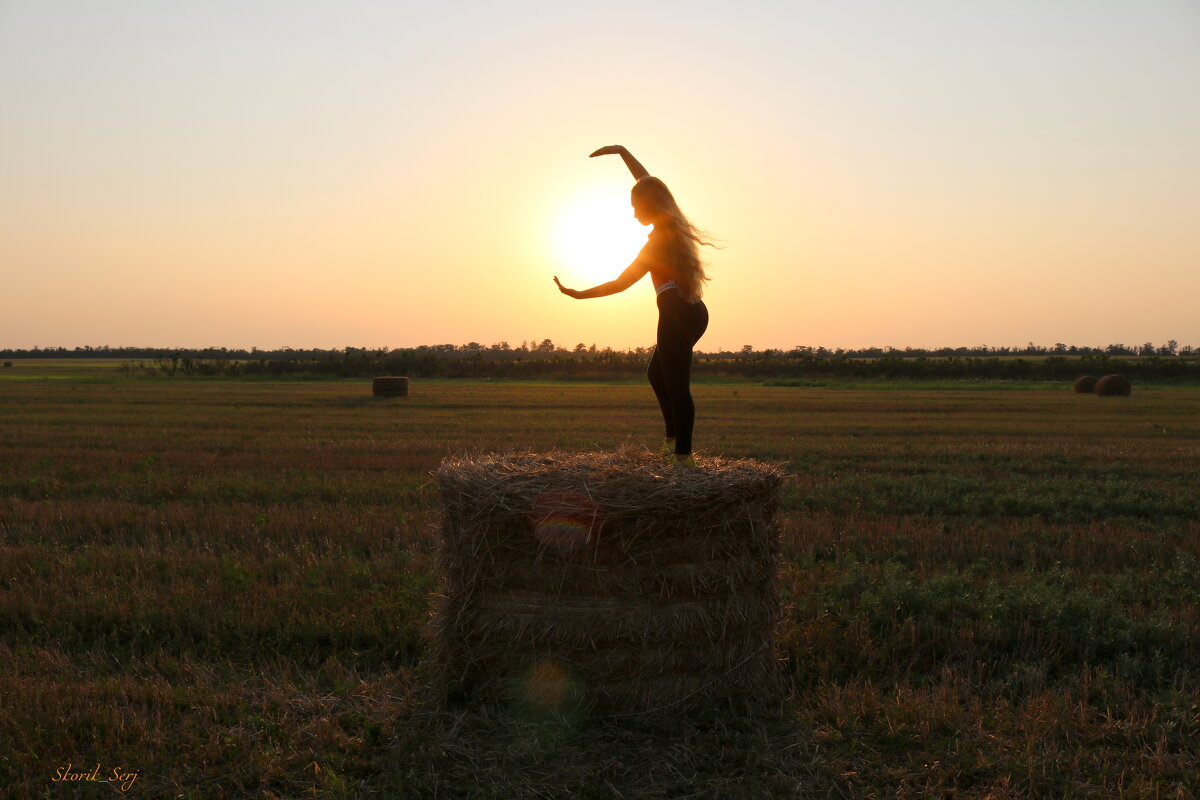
x,y
225,587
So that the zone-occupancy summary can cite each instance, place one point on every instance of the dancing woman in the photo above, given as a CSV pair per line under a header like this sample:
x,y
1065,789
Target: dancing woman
x,y
671,257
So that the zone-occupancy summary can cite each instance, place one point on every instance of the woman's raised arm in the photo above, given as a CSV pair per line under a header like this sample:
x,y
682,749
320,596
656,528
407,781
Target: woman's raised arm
x,y
615,149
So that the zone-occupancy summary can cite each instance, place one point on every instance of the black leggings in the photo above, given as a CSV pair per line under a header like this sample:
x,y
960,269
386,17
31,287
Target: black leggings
x,y
680,326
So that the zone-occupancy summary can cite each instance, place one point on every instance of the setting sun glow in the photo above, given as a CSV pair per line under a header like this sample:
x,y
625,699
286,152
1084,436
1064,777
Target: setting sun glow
x,y
596,237
878,174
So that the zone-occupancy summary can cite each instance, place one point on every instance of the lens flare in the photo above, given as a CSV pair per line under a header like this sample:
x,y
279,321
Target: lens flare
x,y
547,686
547,690
565,520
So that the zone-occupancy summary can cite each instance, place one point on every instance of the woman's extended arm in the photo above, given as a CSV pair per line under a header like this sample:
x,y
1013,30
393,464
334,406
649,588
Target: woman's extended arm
x,y
622,282
634,165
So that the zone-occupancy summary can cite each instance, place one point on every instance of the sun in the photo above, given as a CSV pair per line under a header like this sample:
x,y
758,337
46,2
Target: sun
x,y
596,236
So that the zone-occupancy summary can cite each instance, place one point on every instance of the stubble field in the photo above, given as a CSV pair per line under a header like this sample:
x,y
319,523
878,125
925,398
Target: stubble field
x,y
223,587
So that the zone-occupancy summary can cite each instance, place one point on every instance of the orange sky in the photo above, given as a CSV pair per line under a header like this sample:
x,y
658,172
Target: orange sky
x,y
324,175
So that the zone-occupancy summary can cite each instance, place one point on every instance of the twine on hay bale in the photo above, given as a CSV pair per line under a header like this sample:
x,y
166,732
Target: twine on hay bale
x,y
1085,385
608,580
391,386
1113,385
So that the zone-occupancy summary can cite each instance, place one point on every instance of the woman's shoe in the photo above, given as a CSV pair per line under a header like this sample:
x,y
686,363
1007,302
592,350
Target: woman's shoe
x,y
668,449
690,461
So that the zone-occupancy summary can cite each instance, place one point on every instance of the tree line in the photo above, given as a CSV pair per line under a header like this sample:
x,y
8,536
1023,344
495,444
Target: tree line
x,y
547,349
546,361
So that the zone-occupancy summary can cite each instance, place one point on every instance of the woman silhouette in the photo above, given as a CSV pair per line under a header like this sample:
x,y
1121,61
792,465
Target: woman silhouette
x,y
670,256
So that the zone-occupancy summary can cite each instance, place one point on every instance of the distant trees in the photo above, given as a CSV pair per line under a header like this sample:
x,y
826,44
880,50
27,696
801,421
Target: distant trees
x,y
547,348
545,359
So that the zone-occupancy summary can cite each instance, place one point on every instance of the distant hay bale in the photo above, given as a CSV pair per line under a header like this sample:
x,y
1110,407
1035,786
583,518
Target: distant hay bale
x,y
391,386
8,363
1113,385
1085,385
608,581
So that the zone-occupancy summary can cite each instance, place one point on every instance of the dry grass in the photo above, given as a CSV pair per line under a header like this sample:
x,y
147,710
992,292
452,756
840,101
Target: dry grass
x,y
224,585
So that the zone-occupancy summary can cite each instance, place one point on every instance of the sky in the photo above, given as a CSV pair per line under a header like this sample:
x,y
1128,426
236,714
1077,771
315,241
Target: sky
x,y
391,174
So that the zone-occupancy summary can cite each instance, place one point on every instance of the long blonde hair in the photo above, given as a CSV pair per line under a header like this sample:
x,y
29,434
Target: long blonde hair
x,y
682,238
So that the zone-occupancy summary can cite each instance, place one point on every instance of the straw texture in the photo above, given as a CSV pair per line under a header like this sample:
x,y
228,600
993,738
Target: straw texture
x,y
610,580
1113,386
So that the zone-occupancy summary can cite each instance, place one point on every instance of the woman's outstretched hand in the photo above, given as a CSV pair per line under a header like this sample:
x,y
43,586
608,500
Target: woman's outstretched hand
x,y
565,290
609,150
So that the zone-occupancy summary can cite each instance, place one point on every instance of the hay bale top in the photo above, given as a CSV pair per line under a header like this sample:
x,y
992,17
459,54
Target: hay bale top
x,y
629,479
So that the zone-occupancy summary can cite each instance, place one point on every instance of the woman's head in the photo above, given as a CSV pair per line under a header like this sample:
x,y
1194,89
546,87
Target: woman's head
x,y
653,204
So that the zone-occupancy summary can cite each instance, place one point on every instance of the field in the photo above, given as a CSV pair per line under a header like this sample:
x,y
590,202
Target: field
x,y
222,588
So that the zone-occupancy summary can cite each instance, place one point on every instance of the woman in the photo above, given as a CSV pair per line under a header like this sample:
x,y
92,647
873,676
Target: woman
x,y
670,256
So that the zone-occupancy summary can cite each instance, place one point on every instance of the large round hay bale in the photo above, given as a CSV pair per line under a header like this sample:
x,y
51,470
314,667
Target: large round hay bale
x,y
1085,385
1113,385
390,387
8,363
608,581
